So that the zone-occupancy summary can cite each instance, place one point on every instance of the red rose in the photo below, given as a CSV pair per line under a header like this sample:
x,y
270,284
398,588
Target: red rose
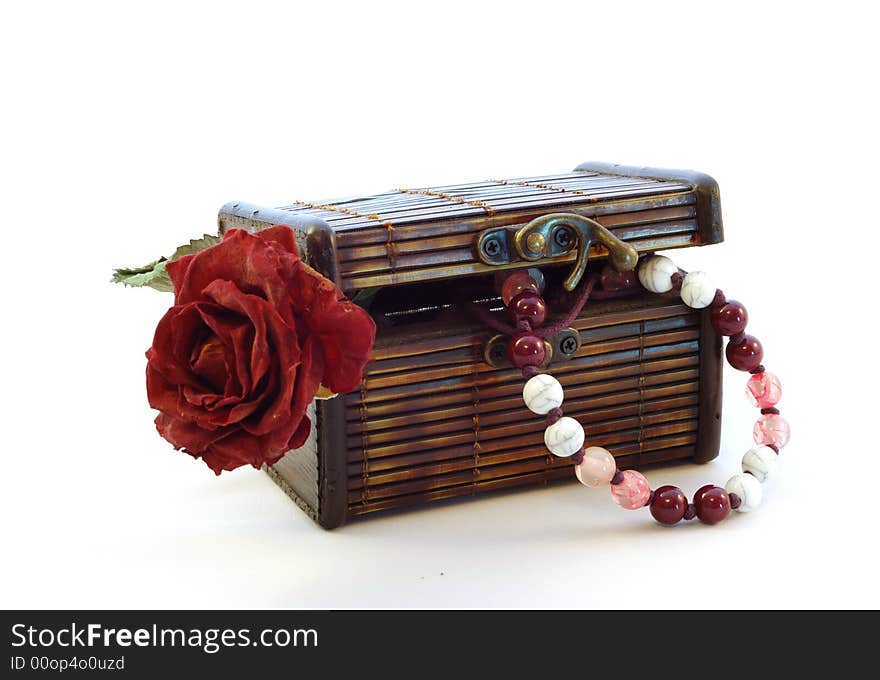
x,y
239,357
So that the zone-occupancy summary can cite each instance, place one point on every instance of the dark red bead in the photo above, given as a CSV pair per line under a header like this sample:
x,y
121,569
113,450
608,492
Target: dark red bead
x,y
669,505
511,284
730,318
712,503
744,353
703,489
612,280
528,306
526,349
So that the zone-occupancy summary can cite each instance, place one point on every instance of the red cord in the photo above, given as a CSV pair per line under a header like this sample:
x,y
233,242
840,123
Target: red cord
x,y
545,331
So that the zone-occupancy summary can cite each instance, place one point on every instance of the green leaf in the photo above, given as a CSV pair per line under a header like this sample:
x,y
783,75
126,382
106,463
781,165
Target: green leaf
x,y
195,245
153,275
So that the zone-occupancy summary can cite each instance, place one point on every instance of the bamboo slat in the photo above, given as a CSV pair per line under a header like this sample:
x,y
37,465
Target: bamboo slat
x,y
410,235
432,420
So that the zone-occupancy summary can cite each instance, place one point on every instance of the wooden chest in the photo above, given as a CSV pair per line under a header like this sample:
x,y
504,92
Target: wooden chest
x,y
439,414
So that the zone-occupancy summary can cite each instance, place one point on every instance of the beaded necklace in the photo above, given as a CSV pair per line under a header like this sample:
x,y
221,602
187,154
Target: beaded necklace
x,y
595,466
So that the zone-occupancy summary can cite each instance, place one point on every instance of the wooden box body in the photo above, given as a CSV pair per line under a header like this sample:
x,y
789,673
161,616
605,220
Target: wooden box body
x,y
432,419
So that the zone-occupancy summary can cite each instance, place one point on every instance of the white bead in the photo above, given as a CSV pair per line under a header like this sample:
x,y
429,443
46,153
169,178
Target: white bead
x,y
542,393
656,272
748,489
565,437
697,290
760,462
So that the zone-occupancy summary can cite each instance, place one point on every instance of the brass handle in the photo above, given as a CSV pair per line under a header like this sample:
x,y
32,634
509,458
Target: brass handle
x,y
549,235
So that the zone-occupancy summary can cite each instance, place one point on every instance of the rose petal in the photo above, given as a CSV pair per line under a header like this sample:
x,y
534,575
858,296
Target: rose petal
x,y
177,272
280,235
301,435
283,407
187,435
257,310
161,393
308,380
235,332
240,257
210,362
188,329
227,316
200,402
161,355
234,451
345,330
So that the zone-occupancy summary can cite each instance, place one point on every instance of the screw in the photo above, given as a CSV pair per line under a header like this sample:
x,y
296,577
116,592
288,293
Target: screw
x,y
497,352
569,345
562,237
492,246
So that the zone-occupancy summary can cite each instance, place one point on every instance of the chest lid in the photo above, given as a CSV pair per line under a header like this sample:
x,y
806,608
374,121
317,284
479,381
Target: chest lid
x,y
421,234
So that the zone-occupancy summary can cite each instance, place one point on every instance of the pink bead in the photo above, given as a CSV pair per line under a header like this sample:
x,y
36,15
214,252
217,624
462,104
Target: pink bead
x,y
764,390
633,492
597,467
772,430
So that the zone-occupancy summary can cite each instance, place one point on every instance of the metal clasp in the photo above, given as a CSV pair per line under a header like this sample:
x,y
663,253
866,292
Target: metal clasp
x,y
554,236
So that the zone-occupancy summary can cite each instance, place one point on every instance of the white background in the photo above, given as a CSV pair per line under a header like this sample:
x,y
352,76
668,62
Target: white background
x,y
125,129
